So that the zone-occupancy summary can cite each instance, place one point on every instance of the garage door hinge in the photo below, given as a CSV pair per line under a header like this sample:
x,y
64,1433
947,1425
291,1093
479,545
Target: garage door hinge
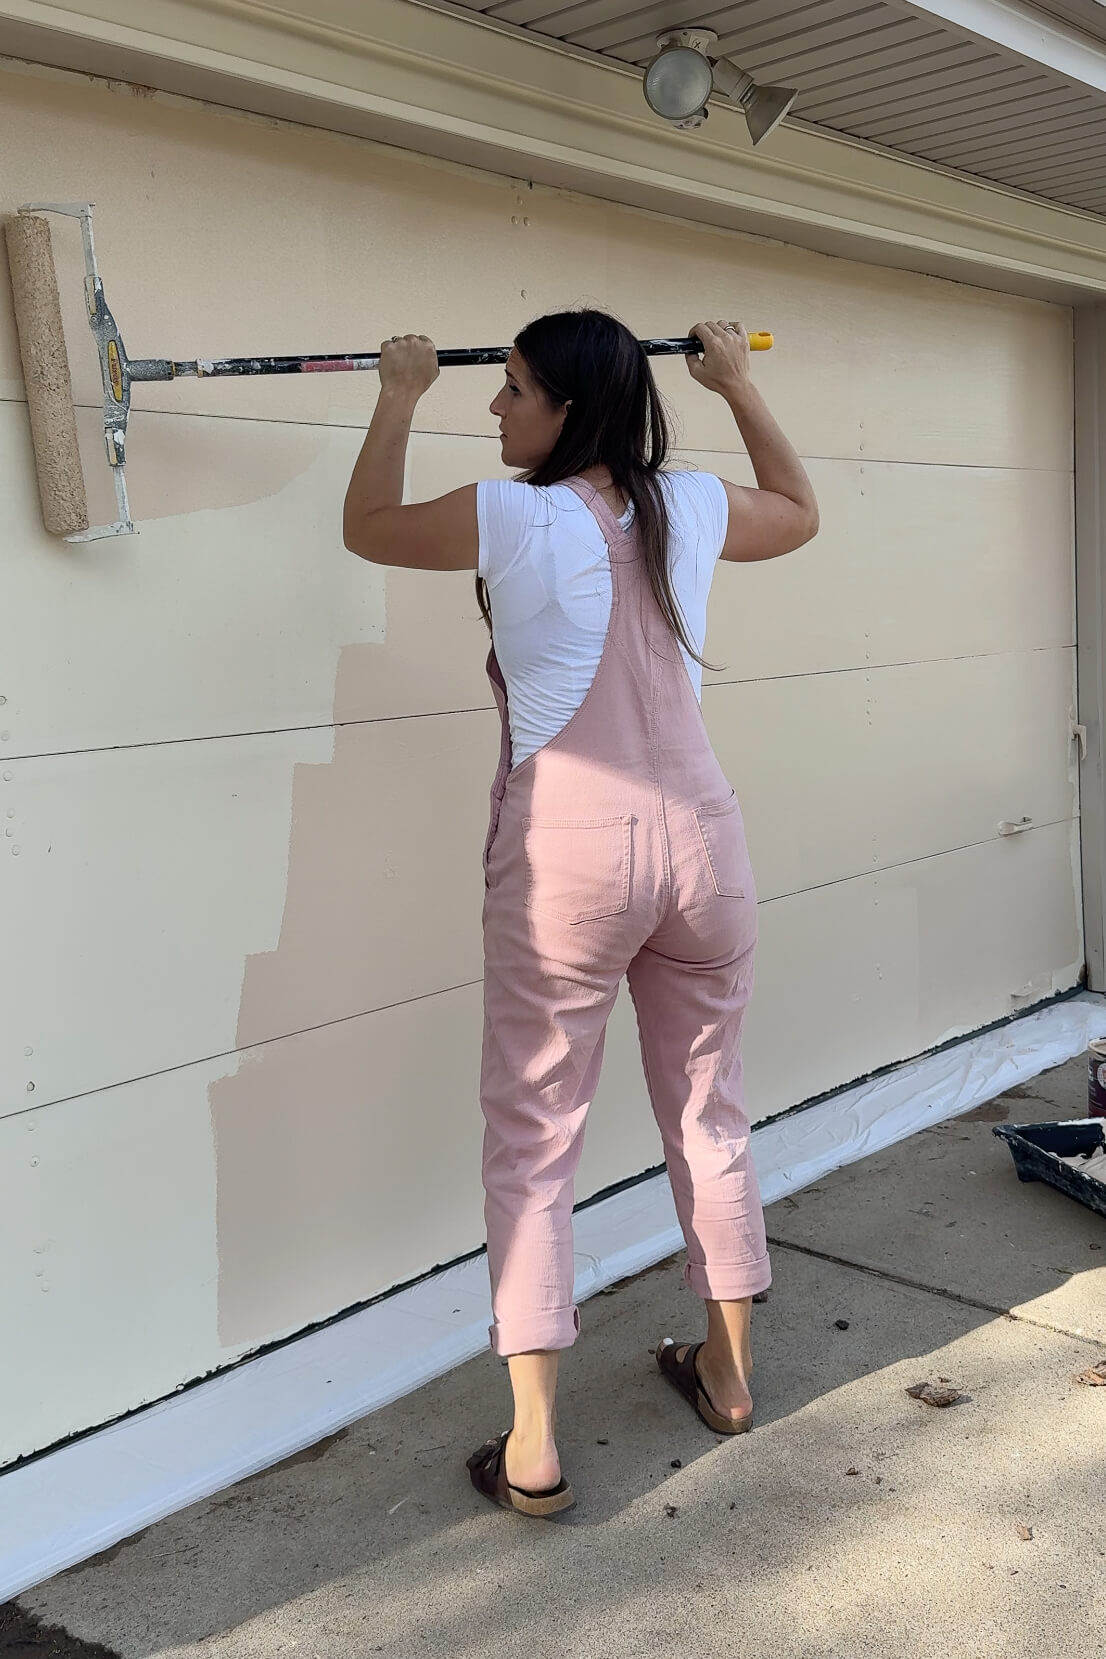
x,y
1079,735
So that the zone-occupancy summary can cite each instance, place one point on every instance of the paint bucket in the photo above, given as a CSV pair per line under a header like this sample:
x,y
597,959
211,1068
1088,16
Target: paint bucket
x,y
1096,1080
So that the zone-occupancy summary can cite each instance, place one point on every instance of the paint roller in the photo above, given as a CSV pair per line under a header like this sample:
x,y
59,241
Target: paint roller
x,y
49,387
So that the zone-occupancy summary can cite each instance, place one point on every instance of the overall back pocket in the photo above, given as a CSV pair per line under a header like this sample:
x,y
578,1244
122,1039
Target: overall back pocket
x,y
578,869
723,837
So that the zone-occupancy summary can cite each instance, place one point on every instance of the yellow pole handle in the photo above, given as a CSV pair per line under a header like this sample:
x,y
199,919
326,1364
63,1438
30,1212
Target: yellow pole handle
x,y
761,341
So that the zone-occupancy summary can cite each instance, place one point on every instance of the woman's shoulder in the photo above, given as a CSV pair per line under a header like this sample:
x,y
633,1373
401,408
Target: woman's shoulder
x,y
688,479
513,514
516,490
696,492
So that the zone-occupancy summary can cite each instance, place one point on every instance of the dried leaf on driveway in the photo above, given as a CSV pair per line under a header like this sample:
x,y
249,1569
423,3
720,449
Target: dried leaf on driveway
x,y
1094,1375
1025,1534
935,1394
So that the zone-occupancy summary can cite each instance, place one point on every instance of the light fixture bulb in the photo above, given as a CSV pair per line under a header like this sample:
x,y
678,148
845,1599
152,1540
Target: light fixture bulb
x,y
678,83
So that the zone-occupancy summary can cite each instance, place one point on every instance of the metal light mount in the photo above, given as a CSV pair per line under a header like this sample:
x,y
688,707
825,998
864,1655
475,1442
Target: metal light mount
x,y
682,76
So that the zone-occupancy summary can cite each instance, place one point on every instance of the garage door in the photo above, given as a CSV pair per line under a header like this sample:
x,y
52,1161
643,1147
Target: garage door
x,y
245,777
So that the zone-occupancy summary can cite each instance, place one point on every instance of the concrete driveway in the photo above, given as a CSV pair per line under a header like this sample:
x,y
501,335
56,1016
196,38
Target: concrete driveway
x,y
853,1521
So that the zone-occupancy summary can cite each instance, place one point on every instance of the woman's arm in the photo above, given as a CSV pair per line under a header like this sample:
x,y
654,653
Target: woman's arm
x,y
433,535
781,513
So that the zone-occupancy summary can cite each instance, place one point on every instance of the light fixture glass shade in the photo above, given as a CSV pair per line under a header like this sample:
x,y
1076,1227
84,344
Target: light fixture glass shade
x,y
678,83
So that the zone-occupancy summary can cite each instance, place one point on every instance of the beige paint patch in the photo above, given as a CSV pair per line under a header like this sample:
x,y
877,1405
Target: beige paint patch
x,y
145,876
381,906
433,659
318,1169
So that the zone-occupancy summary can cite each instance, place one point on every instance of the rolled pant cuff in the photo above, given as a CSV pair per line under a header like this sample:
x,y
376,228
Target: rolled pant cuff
x,y
729,1283
536,1333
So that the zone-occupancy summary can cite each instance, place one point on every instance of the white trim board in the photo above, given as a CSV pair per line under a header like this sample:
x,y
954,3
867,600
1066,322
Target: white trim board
x,y
79,1500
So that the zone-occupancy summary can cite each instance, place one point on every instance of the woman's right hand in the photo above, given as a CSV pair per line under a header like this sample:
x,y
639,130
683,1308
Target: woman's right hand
x,y
724,365
408,364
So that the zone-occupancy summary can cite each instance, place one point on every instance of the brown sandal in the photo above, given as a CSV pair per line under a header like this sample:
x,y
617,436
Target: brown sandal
x,y
683,1374
488,1469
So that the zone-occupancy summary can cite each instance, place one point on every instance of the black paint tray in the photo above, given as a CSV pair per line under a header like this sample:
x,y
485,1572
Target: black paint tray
x,y
1038,1150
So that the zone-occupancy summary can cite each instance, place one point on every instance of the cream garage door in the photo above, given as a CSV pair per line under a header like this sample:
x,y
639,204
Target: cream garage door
x,y
245,777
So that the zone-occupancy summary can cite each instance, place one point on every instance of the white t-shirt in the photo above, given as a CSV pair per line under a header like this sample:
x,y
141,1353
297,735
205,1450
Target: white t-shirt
x,y
548,572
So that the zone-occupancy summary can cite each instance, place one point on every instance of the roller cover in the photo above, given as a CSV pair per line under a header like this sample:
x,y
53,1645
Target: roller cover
x,y
46,375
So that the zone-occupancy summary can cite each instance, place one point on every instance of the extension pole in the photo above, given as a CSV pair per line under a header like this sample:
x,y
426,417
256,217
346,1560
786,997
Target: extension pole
x,y
165,368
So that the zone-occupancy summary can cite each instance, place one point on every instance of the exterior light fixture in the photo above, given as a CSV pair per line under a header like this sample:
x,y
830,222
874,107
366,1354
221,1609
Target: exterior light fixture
x,y
682,76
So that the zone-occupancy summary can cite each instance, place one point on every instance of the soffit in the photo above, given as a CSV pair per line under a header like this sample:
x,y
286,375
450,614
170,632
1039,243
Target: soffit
x,y
902,78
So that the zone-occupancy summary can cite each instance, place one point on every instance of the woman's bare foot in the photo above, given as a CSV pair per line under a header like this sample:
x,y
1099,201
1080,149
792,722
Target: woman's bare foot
x,y
532,1463
530,1457
722,1383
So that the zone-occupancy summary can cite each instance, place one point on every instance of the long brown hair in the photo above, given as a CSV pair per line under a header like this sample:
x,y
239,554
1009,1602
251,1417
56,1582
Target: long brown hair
x,y
616,419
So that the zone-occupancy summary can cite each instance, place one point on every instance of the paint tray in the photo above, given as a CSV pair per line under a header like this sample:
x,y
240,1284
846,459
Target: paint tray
x,y
1063,1154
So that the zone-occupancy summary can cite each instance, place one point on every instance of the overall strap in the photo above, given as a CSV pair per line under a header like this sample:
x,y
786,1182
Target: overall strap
x,y
618,539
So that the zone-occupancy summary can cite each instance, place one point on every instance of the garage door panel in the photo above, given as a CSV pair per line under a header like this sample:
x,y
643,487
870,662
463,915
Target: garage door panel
x,y
862,974
174,902
842,773
995,385
989,556
222,616
910,564
268,1189
107,1233
393,1098
236,608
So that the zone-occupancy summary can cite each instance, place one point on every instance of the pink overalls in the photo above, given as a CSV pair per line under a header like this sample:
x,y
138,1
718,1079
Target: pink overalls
x,y
617,849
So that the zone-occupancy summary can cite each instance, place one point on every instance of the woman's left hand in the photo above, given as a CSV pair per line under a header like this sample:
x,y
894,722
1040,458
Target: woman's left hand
x,y
724,365
408,364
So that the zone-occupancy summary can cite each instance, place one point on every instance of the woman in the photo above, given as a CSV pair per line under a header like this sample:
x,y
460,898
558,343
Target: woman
x,y
616,846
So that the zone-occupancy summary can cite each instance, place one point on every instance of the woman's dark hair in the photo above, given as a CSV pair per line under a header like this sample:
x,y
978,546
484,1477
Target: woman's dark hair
x,y
616,419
